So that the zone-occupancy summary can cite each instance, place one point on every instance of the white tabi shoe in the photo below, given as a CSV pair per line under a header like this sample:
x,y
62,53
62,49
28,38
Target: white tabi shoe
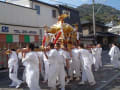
x,y
81,83
92,83
67,81
18,86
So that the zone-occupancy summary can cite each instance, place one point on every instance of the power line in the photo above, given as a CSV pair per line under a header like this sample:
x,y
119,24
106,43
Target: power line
x,y
100,7
68,4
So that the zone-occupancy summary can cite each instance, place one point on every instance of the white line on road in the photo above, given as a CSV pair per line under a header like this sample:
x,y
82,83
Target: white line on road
x,y
108,82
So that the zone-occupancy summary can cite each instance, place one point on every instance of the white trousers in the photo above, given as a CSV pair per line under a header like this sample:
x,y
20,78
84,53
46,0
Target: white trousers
x,y
87,74
75,66
98,62
115,62
32,79
13,75
46,70
54,72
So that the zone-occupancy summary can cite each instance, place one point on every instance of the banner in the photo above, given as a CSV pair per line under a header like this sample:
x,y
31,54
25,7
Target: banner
x,y
18,38
32,39
15,38
9,38
26,38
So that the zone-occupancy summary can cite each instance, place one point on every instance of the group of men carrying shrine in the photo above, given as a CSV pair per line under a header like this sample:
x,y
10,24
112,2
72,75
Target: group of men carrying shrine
x,y
58,65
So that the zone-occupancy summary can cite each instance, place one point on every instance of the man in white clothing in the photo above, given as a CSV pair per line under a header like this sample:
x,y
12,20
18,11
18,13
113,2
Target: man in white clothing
x,y
114,56
54,69
76,64
31,62
99,54
46,65
68,62
13,69
87,61
42,64
94,50
62,63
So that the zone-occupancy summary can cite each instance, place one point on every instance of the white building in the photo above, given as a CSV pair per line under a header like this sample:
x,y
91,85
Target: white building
x,y
22,22
115,30
47,14
26,17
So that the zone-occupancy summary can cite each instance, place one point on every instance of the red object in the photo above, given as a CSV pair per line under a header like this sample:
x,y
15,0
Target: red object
x,y
57,37
21,38
44,39
2,38
1,62
36,38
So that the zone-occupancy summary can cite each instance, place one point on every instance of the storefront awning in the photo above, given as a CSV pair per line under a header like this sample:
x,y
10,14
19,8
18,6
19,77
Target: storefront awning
x,y
8,38
108,34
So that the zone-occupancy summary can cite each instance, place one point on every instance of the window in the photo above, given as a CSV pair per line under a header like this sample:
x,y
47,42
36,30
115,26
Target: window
x,y
66,12
54,13
37,7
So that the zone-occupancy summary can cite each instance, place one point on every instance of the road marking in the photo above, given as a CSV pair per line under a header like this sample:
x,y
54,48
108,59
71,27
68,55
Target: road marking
x,y
108,82
5,70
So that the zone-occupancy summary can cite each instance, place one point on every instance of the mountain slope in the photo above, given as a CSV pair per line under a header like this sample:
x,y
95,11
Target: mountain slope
x,y
105,14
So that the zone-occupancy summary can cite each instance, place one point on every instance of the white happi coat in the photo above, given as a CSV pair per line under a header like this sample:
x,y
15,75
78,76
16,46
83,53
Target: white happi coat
x,y
61,70
99,56
114,55
87,61
76,63
31,63
93,50
54,60
20,55
96,52
13,68
67,56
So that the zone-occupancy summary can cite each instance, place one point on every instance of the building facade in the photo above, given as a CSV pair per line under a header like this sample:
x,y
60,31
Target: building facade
x,y
46,14
115,30
20,25
102,35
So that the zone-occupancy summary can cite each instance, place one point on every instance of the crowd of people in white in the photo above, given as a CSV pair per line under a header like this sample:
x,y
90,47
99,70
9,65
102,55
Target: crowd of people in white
x,y
58,65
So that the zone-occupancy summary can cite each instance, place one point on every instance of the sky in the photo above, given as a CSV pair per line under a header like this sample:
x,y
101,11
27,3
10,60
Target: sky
x,y
74,3
113,3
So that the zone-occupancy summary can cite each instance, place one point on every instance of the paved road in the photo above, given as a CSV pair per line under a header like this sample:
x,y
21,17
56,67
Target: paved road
x,y
102,78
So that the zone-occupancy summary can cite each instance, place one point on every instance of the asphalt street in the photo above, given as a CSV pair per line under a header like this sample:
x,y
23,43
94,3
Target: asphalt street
x,y
103,78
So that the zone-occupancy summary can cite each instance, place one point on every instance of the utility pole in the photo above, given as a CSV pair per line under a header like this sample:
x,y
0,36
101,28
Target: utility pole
x,y
94,30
